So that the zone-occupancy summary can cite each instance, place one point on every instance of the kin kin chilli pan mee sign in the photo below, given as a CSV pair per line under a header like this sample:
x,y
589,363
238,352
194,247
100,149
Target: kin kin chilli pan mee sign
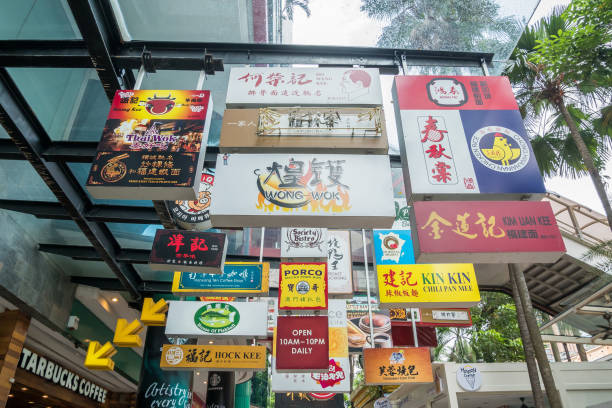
x,y
463,135
485,232
152,146
276,86
304,130
322,190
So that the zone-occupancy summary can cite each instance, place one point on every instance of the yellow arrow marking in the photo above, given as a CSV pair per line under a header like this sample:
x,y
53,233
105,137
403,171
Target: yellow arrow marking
x,y
99,357
127,334
154,313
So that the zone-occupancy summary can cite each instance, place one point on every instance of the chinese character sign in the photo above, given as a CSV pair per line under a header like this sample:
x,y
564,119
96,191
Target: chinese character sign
x,y
188,251
486,232
237,279
282,86
463,135
442,285
302,286
152,145
320,190
385,366
339,264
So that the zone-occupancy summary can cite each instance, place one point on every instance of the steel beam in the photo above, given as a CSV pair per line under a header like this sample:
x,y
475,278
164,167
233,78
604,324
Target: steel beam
x,y
9,151
28,134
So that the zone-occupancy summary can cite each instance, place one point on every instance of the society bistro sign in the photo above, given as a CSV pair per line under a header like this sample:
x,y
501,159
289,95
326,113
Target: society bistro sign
x,y
461,136
55,373
152,146
322,190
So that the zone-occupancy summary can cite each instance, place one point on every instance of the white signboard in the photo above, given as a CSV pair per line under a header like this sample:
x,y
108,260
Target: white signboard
x,y
469,377
276,86
302,244
303,190
450,315
339,264
236,319
337,379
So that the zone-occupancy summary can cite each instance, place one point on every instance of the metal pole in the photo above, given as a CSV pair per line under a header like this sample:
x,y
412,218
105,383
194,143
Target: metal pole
x,y
367,273
414,328
261,244
485,67
554,399
139,77
201,80
530,359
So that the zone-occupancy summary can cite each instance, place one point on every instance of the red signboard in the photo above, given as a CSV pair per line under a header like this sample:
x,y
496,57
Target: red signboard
x,y
302,343
402,336
456,92
485,232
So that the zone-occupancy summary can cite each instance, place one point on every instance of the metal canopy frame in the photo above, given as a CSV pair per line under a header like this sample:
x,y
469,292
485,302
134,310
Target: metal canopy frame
x,y
102,49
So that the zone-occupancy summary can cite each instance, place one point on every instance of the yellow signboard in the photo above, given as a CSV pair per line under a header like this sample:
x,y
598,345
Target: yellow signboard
x,y
427,285
302,286
219,358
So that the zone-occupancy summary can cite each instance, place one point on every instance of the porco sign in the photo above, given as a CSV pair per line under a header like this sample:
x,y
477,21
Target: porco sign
x,y
47,369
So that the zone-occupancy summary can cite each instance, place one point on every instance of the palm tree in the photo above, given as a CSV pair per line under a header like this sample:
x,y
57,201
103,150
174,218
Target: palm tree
x,y
290,4
570,130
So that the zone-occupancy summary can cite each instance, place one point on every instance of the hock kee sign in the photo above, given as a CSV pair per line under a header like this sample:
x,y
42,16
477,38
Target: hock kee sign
x,y
276,86
304,244
188,250
486,232
302,343
152,146
442,285
305,130
237,279
463,135
219,358
302,287
236,319
193,214
322,190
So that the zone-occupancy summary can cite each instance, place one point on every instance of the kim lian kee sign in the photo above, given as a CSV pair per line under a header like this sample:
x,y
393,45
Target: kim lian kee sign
x,y
275,190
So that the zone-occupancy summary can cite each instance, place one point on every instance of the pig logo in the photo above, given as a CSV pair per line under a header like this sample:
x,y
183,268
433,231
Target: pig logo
x,y
160,105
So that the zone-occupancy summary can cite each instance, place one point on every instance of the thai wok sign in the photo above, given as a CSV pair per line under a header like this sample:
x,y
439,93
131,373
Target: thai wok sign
x,y
219,358
463,135
322,190
282,86
486,232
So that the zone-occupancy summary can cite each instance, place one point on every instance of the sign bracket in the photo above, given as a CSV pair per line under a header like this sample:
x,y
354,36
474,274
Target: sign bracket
x,y
367,271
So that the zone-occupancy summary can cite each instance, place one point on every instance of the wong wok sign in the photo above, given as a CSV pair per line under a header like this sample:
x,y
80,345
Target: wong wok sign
x,y
485,232
463,135
321,190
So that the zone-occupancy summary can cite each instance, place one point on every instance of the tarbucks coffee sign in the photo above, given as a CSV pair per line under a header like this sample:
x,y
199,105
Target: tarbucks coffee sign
x,y
217,318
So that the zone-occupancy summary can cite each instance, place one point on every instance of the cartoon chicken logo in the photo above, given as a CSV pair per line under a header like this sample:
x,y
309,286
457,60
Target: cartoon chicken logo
x,y
501,151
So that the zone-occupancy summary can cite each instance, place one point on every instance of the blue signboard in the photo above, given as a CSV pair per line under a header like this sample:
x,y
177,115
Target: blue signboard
x,y
393,247
238,278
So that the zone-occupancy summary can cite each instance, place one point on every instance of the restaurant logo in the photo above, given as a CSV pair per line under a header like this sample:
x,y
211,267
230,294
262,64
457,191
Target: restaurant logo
x,y
391,246
174,355
160,105
217,318
304,238
315,186
500,149
397,357
195,211
446,92
334,376
469,378
114,169
355,84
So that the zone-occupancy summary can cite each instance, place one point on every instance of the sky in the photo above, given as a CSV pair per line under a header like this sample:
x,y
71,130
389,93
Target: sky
x,y
340,22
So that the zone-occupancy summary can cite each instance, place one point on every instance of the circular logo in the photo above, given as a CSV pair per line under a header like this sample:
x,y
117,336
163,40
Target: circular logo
x,y
174,355
390,242
302,287
500,149
214,380
469,377
196,211
113,170
216,318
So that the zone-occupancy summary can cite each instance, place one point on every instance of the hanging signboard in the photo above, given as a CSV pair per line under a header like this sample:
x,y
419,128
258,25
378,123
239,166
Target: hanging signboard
x,y
190,251
302,287
235,319
219,358
438,317
384,366
337,377
429,285
392,247
358,325
193,214
283,86
221,389
304,130
339,264
469,377
153,146
237,279
403,336
301,344
323,190
463,135
304,244
402,214
486,232
307,400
